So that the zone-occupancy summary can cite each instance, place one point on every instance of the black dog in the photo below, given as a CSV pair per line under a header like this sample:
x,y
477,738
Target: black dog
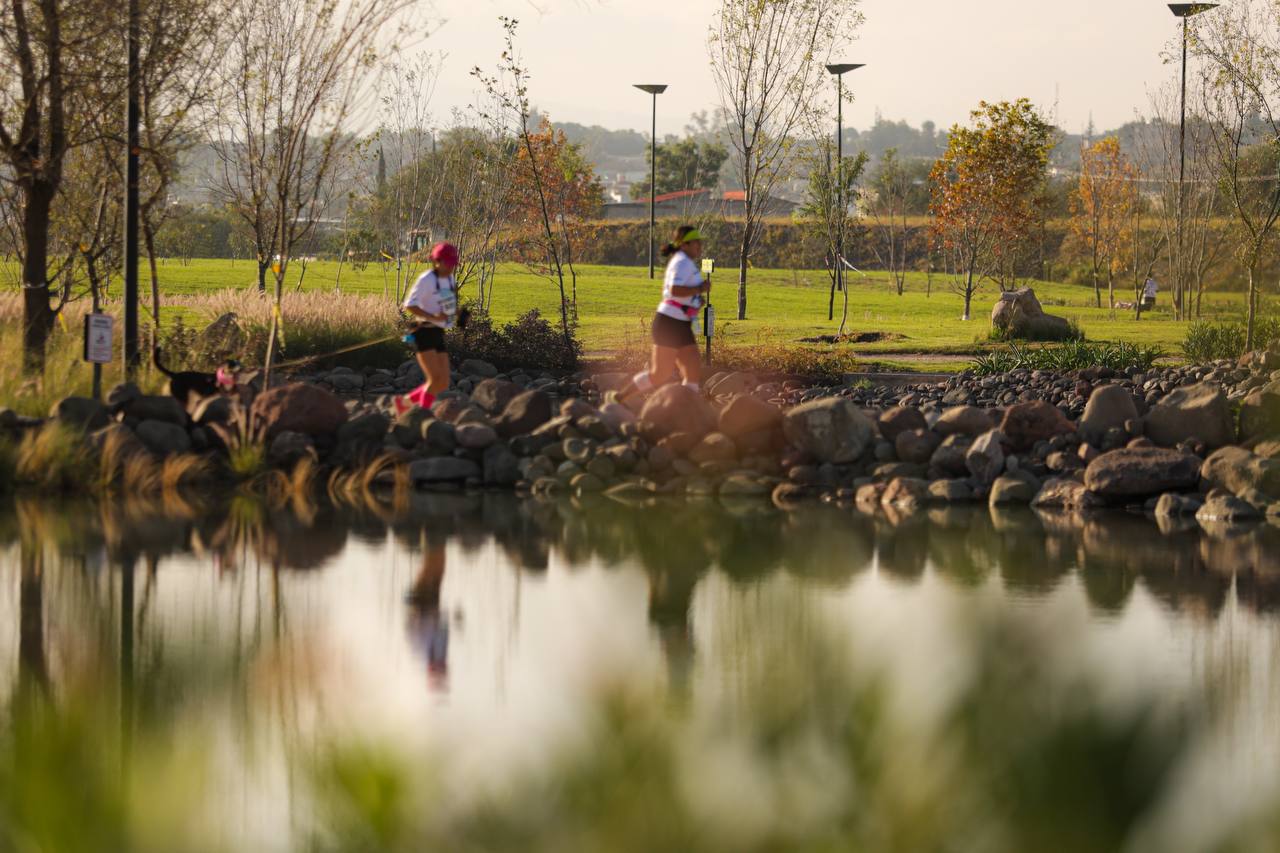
x,y
184,383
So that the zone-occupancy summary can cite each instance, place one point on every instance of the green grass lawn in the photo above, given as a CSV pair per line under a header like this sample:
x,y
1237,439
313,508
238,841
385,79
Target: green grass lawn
x,y
784,307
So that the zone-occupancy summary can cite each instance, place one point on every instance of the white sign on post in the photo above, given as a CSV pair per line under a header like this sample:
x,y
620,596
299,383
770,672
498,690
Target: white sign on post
x,y
98,331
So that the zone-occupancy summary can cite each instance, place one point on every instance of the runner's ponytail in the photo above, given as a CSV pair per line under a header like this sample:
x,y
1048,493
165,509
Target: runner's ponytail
x,y
681,234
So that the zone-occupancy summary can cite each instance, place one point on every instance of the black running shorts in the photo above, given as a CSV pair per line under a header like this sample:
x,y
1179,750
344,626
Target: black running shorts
x,y
673,333
429,339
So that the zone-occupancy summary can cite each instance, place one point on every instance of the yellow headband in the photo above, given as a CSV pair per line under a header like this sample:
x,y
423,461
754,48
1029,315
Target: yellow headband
x,y
690,237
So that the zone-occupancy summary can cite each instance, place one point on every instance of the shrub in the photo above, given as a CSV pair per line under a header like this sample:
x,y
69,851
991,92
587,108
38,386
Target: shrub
x,y
531,341
1208,341
1076,355
1045,334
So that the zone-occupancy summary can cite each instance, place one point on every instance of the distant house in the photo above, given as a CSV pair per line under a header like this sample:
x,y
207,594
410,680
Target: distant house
x,y
730,204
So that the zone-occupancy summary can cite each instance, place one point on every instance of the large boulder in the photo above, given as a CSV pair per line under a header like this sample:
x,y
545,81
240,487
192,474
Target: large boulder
x,y
1064,494
156,407
1139,472
1018,314
1192,412
1260,413
163,438
501,466
746,414
442,469
830,430
367,428
1024,424
221,339
731,384
289,448
963,420
476,367
493,395
1109,407
299,407
677,408
985,457
82,413
916,446
525,413
900,419
1238,471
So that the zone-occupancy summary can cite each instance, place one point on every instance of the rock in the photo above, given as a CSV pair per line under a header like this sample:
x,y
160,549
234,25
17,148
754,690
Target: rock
x,y
125,443
298,407
747,414
81,413
1224,507
950,491
493,395
833,430
574,408
345,382
900,419
1026,423
525,413
610,381
441,437
213,410
221,339
743,486
1109,406
788,496
949,457
1141,472
603,467
163,438
985,457
442,469
715,447
367,428
917,445
732,384
1236,470
472,436
1019,314
586,483
289,448
156,407
963,420
476,367
676,408
867,498
616,416
500,467
122,395
1260,413
1064,494
1012,490
1174,505
905,494
1194,411
1268,449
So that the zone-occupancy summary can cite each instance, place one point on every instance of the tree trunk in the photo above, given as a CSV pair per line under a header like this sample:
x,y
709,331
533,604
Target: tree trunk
x,y
742,272
33,669
36,314
1111,290
968,293
1252,309
263,266
149,241
831,300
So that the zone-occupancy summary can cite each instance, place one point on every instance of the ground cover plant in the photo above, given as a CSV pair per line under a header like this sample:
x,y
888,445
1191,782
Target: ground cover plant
x,y
1210,341
1075,355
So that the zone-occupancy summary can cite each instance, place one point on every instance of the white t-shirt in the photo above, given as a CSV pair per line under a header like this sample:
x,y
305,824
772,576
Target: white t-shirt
x,y
681,272
435,295
1149,289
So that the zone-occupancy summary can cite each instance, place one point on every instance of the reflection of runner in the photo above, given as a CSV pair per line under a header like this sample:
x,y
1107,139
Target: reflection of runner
x,y
428,625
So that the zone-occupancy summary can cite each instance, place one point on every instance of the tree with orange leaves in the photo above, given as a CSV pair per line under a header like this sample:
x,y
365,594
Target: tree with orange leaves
x,y
985,189
1102,210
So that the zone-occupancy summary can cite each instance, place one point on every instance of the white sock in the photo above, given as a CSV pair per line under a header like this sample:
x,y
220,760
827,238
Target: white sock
x,y
642,381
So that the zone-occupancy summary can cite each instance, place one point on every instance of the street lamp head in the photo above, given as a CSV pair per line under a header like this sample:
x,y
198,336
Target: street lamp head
x,y
841,68
652,88
1187,10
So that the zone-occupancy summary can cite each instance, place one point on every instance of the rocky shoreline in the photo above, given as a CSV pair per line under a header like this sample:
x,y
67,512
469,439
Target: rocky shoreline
x,y
1200,441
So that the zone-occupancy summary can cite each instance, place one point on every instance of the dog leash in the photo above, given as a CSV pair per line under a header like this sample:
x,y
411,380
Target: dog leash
x,y
296,361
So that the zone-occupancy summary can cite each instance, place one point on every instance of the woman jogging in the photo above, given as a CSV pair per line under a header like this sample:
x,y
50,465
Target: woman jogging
x,y
683,295
433,303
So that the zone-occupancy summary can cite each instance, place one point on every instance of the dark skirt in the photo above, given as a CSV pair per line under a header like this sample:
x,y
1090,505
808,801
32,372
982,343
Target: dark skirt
x,y
428,339
673,333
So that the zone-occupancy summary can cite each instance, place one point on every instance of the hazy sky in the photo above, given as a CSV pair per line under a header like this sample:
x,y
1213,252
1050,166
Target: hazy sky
x,y
926,59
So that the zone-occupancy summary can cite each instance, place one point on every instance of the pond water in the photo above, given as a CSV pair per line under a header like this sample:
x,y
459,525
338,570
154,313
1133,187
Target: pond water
x,y
480,630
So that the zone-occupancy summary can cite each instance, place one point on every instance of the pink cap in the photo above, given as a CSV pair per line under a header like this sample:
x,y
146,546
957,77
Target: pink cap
x,y
445,253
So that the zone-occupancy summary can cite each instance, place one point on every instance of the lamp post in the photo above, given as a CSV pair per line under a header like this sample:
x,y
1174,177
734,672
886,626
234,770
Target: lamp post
x,y
1183,11
839,70
654,89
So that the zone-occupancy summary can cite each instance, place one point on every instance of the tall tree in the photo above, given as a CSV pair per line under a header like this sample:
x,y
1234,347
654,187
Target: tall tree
x,y
830,184
1240,96
889,197
53,86
986,188
1102,210
684,164
768,59
293,78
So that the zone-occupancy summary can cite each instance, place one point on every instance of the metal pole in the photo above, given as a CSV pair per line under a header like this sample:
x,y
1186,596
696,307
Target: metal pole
x,y
653,179
840,281
1182,174
131,355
